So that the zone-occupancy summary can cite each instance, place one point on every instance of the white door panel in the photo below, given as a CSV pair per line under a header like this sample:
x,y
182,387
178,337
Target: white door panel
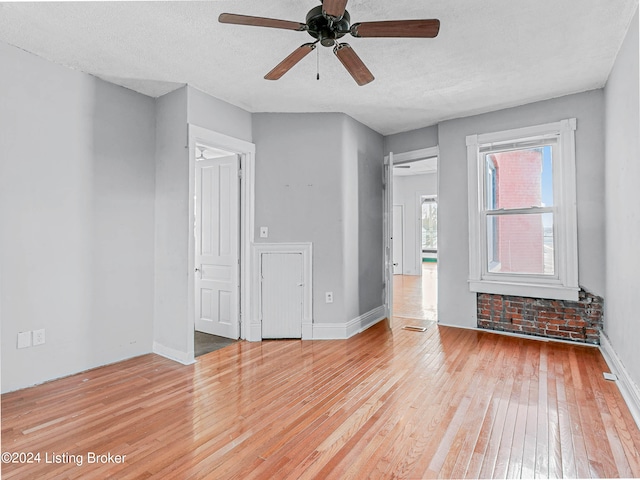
x,y
282,295
217,246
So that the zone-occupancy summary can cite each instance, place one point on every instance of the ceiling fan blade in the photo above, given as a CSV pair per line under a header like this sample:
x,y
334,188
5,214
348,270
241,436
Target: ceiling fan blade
x,y
260,22
334,8
288,63
397,28
353,64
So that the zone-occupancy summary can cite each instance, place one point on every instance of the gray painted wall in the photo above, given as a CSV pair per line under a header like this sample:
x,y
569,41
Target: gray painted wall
x,y
217,115
318,179
77,213
174,112
363,234
299,195
455,302
100,211
406,192
172,224
622,321
413,140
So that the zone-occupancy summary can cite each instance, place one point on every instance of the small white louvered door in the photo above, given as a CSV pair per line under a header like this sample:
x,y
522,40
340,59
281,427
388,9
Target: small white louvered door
x,y
281,295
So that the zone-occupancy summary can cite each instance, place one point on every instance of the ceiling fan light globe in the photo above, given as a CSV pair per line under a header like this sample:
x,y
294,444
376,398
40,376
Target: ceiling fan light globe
x,y
327,42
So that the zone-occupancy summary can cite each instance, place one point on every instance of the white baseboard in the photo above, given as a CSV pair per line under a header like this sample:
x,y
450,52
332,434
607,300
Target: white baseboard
x,y
342,331
629,390
255,332
172,354
307,330
361,323
329,331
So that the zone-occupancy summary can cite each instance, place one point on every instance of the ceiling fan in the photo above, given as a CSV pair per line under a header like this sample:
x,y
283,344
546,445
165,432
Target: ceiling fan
x,y
329,22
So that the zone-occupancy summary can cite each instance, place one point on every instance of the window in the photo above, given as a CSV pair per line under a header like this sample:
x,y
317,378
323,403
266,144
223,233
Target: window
x,y
429,224
492,230
522,218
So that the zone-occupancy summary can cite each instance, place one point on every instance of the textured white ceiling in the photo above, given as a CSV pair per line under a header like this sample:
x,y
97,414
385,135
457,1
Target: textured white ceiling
x,y
490,54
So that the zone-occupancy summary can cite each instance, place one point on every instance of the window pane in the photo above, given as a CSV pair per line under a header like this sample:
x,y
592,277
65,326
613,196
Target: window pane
x,y
519,178
520,244
429,224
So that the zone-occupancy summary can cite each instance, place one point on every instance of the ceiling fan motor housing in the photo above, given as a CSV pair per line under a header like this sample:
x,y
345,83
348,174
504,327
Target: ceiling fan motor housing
x,y
325,30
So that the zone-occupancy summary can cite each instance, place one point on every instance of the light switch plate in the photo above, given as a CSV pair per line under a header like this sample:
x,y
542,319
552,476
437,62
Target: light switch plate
x,y
264,232
24,339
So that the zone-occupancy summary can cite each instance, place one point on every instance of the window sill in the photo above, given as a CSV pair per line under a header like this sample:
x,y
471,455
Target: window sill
x,y
531,290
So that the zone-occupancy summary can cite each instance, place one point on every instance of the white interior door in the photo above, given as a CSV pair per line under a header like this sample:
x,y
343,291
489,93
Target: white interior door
x,y
398,239
281,295
217,208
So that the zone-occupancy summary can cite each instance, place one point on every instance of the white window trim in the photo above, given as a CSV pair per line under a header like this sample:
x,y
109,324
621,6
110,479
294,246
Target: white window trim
x,y
564,286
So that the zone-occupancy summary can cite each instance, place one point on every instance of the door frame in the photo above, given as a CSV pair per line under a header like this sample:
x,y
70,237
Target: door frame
x,y
389,161
402,231
387,243
246,151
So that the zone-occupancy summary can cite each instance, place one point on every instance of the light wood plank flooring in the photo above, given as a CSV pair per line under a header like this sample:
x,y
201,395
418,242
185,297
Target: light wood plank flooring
x,y
388,403
416,297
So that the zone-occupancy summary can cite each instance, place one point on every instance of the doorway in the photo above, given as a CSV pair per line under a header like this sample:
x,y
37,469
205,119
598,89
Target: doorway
x,y
415,195
217,232
219,286
416,295
217,253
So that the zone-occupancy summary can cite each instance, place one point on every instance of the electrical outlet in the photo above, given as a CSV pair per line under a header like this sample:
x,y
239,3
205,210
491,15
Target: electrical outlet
x,y
24,339
264,232
328,297
38,337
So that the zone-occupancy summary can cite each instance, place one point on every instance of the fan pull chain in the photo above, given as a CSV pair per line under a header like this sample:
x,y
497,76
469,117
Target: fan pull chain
x,y
318,64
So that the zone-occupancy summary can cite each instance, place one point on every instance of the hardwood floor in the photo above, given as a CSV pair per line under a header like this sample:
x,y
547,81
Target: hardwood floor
x,y
388,403
416,297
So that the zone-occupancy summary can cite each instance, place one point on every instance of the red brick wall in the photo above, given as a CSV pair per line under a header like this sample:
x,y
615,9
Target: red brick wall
x,y
580,321
519,185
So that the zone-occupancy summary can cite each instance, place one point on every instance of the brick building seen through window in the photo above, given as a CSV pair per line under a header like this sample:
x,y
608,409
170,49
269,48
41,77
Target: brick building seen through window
x,y
517,180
